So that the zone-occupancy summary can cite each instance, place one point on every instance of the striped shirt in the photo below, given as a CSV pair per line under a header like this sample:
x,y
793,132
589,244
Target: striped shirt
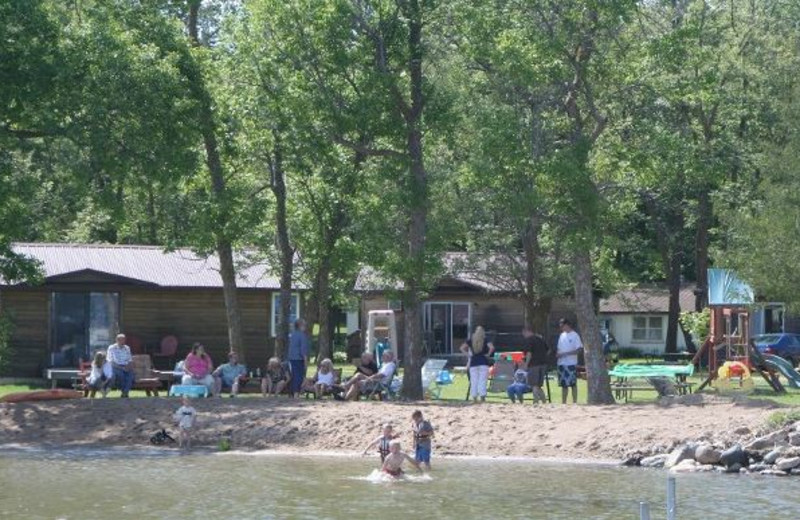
x,y
119,355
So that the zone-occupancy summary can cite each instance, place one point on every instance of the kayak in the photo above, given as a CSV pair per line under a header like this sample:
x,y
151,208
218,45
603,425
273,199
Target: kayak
x,y
41,395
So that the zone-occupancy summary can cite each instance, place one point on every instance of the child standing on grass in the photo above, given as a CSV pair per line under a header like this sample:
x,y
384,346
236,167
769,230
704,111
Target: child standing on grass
x,y
423,432
185,416
382,442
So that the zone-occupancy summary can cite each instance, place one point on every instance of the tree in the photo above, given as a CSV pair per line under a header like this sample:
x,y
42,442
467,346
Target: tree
x,y
192,68
364,62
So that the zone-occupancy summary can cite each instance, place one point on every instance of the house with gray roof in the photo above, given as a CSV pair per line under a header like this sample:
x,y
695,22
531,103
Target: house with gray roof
x,y
472,290
637,316
90,292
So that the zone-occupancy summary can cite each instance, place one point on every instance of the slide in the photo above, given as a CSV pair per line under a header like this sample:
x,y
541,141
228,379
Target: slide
x,y
784,367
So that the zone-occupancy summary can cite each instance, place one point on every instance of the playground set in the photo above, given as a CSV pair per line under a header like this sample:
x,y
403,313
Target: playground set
x,y
729,351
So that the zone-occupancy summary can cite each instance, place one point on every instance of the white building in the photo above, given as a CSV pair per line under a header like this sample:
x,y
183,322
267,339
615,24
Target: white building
x,y
637,317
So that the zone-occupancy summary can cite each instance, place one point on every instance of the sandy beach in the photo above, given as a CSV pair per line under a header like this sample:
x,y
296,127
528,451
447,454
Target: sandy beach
x,y
553,431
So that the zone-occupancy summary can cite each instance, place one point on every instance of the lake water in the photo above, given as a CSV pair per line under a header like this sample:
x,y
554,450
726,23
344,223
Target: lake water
x,y
86,485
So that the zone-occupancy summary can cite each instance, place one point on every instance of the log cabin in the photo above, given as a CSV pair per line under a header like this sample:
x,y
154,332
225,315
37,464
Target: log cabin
x,y
90,292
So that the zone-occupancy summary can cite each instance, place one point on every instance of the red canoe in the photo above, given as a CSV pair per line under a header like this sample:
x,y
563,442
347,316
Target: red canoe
x,y
41,395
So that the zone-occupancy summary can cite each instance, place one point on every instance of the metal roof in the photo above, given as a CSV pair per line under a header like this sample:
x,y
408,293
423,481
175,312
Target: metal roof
x,y
646,300
485,273
150,265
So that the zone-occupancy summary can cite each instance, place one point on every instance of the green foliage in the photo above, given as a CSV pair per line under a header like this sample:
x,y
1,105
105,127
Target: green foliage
x,y
782,418
6,348
697,323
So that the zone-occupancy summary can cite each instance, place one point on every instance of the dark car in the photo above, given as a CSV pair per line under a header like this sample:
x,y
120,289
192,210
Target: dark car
x,y
784,345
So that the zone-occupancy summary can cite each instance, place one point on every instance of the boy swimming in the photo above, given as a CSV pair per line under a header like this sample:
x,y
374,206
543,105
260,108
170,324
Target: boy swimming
x,y
393,463
382,442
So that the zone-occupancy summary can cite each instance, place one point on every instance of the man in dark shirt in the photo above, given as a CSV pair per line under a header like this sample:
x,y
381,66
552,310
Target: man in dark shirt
x,y
366,368
536,353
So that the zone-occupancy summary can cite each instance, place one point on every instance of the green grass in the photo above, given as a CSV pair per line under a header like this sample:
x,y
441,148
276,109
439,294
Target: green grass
x,y
457,391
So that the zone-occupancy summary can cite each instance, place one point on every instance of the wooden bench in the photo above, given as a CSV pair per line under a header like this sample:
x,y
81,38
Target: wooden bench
x,y
145,378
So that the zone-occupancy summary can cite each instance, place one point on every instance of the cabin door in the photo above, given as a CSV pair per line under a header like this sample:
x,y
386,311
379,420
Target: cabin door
x,y
82,323
447,326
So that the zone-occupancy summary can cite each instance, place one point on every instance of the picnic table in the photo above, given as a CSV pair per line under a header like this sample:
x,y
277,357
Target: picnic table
x,y
624,388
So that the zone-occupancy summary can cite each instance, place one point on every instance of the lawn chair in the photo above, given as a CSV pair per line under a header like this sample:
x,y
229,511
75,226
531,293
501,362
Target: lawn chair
x,y
430,373
381,390
308,385
503,375
443,379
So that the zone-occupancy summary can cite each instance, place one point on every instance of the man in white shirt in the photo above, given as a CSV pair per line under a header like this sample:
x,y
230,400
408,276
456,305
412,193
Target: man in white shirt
x,y
371,384
119,355
569,344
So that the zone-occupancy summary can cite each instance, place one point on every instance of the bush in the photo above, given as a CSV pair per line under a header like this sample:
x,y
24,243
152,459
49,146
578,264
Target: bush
x,y
6,350
698,324
629,353
340,357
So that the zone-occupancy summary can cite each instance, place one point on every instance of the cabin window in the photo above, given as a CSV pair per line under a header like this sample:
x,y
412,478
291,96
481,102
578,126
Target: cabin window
x,y
648,328
82,323
276,307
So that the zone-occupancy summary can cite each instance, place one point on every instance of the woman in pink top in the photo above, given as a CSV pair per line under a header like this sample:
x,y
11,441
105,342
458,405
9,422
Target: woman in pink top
x,y
197,368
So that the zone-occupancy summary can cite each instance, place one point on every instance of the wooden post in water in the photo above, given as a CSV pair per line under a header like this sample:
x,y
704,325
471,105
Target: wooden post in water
x,y
644,511
672,504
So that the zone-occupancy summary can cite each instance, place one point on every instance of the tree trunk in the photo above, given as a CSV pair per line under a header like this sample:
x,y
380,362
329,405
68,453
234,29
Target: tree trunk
x,y
324,343
674,313
214,164
537,308
412,363
278,186
701,250
596,369
229,292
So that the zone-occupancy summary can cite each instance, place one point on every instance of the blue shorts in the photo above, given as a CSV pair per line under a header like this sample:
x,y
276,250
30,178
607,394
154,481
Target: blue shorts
x,y
423,454
567,375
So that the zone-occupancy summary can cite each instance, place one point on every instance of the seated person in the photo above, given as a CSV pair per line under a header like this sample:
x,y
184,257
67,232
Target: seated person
x,y
231,375
275,379
197,368
101,375
324,381
366,368
382,378
519,387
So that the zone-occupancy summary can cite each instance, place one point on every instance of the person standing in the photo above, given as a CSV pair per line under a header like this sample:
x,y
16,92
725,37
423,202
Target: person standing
x,y
119,354
569,344
479,351
536,353
299,347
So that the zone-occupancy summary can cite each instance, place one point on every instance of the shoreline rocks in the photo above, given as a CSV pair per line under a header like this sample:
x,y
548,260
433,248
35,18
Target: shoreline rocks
x,y
776,453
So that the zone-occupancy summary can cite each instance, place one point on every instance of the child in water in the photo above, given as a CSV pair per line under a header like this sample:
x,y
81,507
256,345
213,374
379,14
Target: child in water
x,y
382,442
186,416
393,464
423,433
